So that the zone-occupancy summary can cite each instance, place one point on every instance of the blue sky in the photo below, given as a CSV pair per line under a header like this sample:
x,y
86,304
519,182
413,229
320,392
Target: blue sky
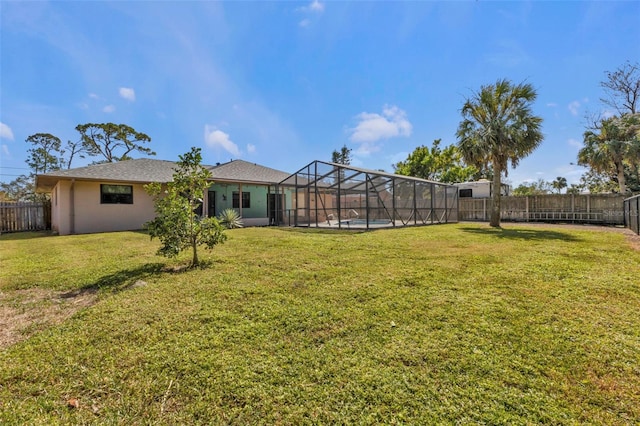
x,y
285,83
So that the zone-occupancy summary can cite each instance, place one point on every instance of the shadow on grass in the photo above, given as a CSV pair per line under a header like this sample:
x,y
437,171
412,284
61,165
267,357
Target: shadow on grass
x,y
522,234
119,281
28,235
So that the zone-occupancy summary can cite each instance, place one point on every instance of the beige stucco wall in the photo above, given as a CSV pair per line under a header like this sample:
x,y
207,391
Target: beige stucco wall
x,y
89,215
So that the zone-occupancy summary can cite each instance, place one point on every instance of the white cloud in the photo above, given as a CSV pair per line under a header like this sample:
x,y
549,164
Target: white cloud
x,y
94,96
552,104
574,107
109,109
251,148
127,93
5,150
372,127
315,7
367,148
6,132
215,138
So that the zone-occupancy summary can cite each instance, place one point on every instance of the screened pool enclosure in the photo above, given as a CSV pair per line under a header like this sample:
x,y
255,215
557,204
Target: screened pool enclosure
x,y
331,195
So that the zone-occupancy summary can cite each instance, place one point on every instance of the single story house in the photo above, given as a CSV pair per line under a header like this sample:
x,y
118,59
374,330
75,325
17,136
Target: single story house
x,y
111,197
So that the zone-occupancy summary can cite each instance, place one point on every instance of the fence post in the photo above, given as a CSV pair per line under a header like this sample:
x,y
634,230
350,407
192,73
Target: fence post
x,y
637,214
484,209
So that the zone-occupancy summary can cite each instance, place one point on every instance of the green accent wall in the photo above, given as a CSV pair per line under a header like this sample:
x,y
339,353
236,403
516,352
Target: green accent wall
x,y
257,199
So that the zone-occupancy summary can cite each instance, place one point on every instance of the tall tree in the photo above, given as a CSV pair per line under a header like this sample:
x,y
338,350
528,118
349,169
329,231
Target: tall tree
x,y
72,150
46,153
442,165
177,225
596,182
20,189
614,147
341,157
622,88
106,139
499,128
559,183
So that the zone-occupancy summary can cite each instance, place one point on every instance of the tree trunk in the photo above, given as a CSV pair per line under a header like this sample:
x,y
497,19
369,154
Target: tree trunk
x,y
194,261
495,208
621,180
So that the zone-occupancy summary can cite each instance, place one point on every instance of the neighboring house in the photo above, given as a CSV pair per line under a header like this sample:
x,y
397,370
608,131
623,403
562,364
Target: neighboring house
x,y
111,197
482,188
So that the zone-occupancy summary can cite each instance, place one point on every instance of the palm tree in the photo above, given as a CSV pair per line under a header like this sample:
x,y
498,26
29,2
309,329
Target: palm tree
x,y
559,183
499,127
614,144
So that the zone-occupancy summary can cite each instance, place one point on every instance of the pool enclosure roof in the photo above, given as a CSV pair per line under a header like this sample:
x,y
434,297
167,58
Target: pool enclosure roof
x,y
325,194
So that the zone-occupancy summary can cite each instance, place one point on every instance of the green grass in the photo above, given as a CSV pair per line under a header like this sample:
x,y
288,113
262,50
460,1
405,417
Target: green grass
x,y
441,324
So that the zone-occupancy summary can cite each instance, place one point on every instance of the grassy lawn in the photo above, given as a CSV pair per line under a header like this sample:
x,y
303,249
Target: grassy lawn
x,y
441,324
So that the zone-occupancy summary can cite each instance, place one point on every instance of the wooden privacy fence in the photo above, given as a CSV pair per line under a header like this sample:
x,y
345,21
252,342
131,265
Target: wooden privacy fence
x,y
604,209
632,213
24,216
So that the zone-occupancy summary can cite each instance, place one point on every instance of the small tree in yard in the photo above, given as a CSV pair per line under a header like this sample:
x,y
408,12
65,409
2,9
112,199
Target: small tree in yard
x,y
177,225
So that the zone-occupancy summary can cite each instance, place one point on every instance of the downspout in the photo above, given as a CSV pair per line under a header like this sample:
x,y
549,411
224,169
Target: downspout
x,y
72,212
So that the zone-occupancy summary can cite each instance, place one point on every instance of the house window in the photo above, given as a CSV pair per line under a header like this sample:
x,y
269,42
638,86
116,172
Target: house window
x,y
246,200
466,193
116,194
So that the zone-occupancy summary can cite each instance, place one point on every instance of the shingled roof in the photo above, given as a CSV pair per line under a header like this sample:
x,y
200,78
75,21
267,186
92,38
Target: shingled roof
x,y
243,171
145,170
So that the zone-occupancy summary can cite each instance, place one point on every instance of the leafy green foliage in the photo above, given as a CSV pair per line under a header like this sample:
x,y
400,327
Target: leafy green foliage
x,y
21,188
575,188
441,165
341,157
499,128
540,187
229,218
45,155
177,225
106,139
559,183
614,149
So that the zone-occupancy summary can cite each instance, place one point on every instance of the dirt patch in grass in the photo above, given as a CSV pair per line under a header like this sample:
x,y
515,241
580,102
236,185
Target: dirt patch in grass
x,y
26,312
